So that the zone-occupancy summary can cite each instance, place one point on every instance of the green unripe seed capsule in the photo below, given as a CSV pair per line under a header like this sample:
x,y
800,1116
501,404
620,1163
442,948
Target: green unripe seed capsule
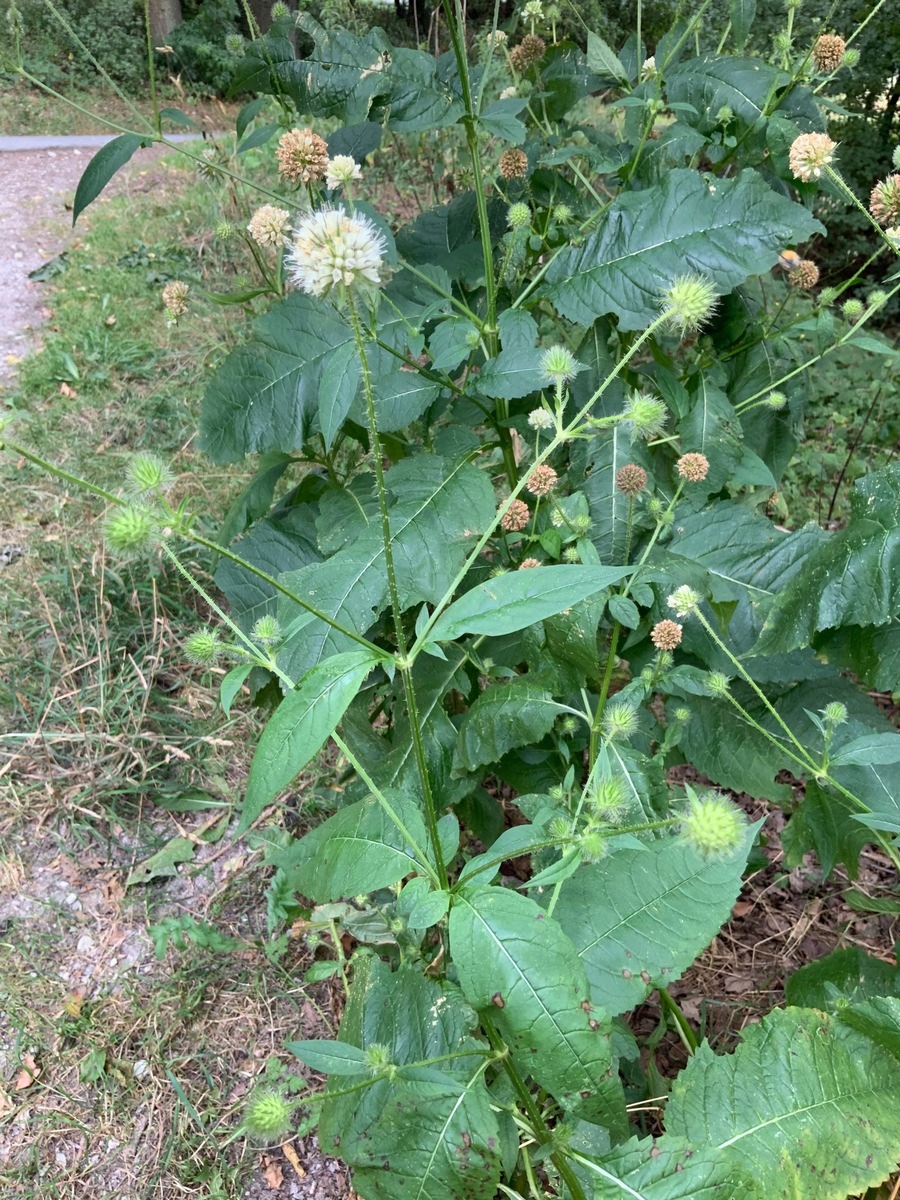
x,y
268,1115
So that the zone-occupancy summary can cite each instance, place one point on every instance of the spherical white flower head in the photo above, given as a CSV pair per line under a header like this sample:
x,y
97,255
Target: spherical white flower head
x,y
533,10
684,601
509,93
539,418
269,225
333,249
342,169
648,68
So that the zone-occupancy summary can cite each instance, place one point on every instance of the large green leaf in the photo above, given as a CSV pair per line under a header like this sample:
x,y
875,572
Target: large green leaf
x,y
358,850
720,744
520,598
601,458
877,1018
100,170
803,1103
422,1135
422,95
667,1168
342,75
504,717
847,974
515,962
726,229
436,503
745,85
639,919
824,822
853,578
300,725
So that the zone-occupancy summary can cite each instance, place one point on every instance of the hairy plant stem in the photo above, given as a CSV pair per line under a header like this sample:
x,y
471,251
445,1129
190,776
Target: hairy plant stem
x,y
539,1128
151,68
404,663
597,722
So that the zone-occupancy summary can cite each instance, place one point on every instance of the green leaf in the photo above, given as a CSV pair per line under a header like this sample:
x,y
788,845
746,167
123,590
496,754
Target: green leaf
x,y
515,962
600,459
435,503
852,578
639,919
743,14
501,120
804,1104
824,822
520,598
359,141
624,611
847,974
727,229
248,113
329,1058
720,744
177,117
878,904
163,863
358,850
516,371
878,1019
512,842
504,717
338,387
875,749
449,345
300,726
667,1168
401,397
231,685
603,59
435,1130
100,170
712,428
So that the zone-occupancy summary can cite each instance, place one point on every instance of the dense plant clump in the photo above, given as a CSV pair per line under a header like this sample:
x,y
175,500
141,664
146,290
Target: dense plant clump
x,y
509,546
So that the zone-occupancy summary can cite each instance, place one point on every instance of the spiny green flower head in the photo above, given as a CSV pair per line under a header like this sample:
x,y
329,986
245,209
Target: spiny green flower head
x,y
225,231
130,529
268,1115
202,647
279,10
853,309
610,800
620,721
645,416
689,302
559,365
234,44
148,473
835,713
518,216
713,826
776,401
684,601
378,1056
851,59
593,846
718,684
562,213
877,299
267,630
571,555
827,297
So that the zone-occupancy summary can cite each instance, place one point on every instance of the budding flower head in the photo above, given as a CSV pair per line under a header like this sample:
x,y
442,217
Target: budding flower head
x,y
827,296
202,647
342,169
269,225
609,800
268,1115
558,365
666,635
681,715
332,250
129,529
533,10
279,10
684,601
516,517
267,630
378,1056
174,297
234,44
148,473
302,156
776,401
225,231
562,213
542,480
884,201
835,713
804,276
513,163
877,299
693,467
828,52
539,418
593,845
853,309
571,554
631,479
619,722
518,216
689,302
645,415
718,684
714,826
810,153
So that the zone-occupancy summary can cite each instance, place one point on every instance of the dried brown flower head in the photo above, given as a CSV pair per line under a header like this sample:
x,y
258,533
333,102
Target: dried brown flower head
x,y
828,52
631,479
174,297
302,156
666,635
527,563
693,467
884,202
516,517
804,275
529,51
542,480
513,164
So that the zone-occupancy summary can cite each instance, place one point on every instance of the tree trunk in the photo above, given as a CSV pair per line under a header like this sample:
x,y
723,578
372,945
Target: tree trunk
x,y
164,16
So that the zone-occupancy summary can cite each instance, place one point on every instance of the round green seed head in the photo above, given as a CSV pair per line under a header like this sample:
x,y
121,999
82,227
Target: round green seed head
x,y
714,826
835,713
129,529
202,647
268,1115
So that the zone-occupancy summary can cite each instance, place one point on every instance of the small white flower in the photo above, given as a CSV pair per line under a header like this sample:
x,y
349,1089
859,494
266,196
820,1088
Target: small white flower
x,y
539,418
684,601
508,93
332,249
648,70
533,10
497,38
342,169
269,225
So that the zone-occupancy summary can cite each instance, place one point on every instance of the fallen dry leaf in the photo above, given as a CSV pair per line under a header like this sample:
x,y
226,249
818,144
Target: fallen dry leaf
x,y
28,1073
68,392
271,1172
291,1155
